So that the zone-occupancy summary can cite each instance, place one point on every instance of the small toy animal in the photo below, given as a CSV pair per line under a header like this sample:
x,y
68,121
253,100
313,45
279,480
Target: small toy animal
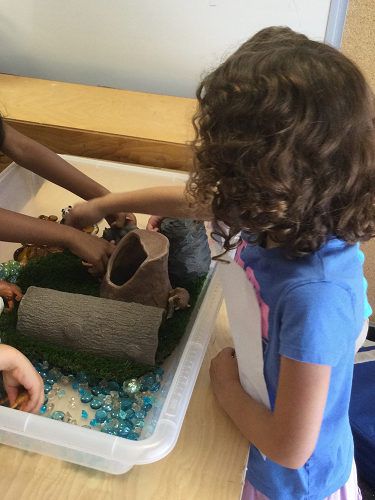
x,y
178,299
21,398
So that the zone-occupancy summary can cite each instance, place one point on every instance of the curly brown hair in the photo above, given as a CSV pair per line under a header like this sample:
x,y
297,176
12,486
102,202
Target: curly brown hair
x,y
285,144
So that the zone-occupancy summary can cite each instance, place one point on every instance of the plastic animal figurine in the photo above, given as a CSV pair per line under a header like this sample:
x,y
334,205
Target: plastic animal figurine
x,y
21,398
11,293
178,299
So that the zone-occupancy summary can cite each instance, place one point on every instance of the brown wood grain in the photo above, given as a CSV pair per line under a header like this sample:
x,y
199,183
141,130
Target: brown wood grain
x,y
104,146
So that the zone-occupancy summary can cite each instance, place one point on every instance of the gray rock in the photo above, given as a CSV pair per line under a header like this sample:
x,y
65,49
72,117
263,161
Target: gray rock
x,y
189,252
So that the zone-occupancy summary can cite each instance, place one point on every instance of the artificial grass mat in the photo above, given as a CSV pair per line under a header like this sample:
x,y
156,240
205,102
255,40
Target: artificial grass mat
x,y
64,272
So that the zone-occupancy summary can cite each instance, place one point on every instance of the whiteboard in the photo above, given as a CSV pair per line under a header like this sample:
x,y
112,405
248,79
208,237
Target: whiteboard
x,y
156,46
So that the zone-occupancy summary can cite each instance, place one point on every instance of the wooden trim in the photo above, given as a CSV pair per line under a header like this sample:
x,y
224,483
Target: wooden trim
x,y
106,146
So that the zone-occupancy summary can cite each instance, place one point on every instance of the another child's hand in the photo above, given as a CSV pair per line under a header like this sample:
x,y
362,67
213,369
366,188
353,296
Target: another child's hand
x,y
224,372
18,371
95,251
121,219
85,214
11,293
154,223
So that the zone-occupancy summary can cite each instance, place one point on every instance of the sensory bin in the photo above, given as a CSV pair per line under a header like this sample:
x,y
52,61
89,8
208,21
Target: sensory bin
x,y
22,191
85,392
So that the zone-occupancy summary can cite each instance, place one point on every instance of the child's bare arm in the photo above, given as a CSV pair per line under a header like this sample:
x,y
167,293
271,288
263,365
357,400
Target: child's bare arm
x,y
166,201
18,371
21,228
40,160
288,434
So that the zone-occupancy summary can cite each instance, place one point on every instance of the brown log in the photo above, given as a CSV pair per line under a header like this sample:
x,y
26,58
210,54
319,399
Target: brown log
x,y
138,270
93,325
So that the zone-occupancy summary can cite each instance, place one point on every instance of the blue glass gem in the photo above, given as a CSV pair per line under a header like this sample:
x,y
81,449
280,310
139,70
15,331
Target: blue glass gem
x,y
95,404
45,400
82,391
115,414
146,400
61,393
121,394
101,397
87,398
113,386
140,414
147,407
71,377
43,409
126,424
58,415
96,390
100,416
51,380
155,387
47,388
84,414
126,405
160,371
107,406
44,373
130,413
150,379
108,429
107,420
122,415
75,385
38,366
123,432
139,422
93,422
132,435
81,377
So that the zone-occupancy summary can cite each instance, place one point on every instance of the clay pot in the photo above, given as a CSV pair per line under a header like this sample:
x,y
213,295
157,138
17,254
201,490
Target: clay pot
x,y
138,270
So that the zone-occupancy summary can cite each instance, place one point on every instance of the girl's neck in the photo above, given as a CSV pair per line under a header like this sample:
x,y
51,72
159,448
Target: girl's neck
x,y
270,243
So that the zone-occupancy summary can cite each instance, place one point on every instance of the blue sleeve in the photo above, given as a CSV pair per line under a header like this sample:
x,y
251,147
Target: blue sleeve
x,y
318,323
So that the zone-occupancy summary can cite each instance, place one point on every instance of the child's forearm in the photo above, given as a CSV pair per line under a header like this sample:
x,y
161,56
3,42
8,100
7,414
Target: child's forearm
x,y
40,160
19,228
168,201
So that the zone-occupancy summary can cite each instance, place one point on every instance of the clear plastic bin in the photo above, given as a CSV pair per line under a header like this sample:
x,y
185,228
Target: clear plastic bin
x,y
25,192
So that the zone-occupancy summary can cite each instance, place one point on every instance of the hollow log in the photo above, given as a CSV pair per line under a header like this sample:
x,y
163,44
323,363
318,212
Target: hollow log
x,y
138,270
93,325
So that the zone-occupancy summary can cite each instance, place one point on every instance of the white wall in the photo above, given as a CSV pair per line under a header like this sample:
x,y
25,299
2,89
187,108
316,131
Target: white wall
x,y
157,46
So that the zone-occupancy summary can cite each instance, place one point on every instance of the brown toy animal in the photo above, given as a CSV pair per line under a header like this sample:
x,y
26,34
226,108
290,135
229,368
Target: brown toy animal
x,y
178,299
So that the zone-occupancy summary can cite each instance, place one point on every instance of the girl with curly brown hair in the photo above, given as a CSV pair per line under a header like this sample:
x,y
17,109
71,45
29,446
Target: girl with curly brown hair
x,y
285,153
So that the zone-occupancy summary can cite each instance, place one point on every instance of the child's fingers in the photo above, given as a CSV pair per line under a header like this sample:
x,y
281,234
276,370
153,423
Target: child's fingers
x,y
12,393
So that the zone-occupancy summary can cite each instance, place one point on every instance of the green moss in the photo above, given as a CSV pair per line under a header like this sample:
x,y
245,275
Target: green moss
x,y
65,272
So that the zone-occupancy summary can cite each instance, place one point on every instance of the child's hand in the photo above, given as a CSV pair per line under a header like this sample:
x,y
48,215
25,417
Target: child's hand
x,y
224,372
18,371
95,251
121,219
154,223
85,214
11,293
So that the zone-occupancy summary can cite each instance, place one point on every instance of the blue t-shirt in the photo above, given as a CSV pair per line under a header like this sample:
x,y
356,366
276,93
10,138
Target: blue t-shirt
x,y
312,311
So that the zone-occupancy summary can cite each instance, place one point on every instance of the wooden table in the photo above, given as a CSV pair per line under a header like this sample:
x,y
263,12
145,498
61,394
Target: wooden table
x,y
208,460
